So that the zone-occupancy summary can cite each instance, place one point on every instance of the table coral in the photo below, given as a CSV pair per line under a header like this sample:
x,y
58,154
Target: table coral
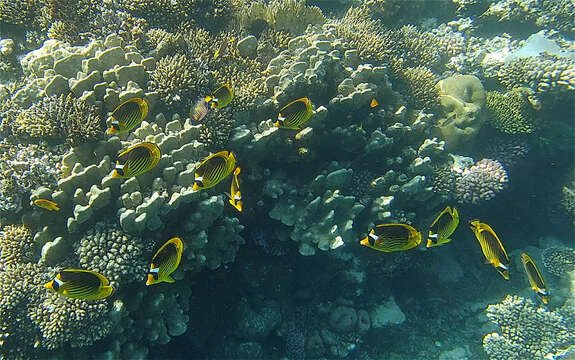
x,y
526,332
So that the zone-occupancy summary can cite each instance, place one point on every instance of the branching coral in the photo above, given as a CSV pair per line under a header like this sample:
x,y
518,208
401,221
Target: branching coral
x,y
17,245
421,90
480,182
363,33
25,167
545,74
526,332
285,15
109,251
58,119
176,77
75,322
510,113
559,261
216,129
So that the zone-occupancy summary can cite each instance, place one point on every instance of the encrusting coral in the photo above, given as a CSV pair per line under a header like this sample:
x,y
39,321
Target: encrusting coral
x,y
527,332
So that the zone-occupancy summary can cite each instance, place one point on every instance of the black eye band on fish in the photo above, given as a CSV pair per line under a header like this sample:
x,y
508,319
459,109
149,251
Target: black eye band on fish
x,y
56,284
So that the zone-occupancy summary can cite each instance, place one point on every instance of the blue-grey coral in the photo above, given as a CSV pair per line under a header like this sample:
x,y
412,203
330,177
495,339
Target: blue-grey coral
x,y
527,332
480,182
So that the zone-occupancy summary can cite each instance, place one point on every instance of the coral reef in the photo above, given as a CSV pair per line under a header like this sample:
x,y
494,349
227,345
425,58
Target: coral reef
x,y
176,78
118,256
510,113
462,101
275,15
559,261
526,332
58,119
480,182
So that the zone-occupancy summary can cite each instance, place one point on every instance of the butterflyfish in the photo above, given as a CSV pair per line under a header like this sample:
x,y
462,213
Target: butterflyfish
x,y
214,169
221,97
491,246
80,284
137,160
442,227
535,279
200,109
294,114
235,193
373,103
392,237
128,115
165,261
46,204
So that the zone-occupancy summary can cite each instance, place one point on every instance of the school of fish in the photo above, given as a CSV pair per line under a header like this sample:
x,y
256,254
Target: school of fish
x,y
143,157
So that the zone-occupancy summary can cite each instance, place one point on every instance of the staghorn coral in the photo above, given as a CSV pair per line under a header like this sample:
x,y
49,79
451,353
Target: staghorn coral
x,y
284,15
480,182
105,248
526,332
58,119
559,261
18,12
176,77
510,113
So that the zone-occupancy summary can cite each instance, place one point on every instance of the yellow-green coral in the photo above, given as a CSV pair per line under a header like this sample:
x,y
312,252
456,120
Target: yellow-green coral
x,y
363,33
420,85
559,261
17,245
510,113
284,15
58,119
176,78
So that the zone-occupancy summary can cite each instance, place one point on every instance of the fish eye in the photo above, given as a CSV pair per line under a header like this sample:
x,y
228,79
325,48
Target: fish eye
x,y
120,171
154,275
55,285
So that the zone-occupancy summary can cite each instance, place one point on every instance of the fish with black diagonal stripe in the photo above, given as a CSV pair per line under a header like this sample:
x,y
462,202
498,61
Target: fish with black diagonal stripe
x,y
80,284
214,169
165,261
137,160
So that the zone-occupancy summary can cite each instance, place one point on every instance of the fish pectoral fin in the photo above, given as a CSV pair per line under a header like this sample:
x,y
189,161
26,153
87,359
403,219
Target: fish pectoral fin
x,y
169,279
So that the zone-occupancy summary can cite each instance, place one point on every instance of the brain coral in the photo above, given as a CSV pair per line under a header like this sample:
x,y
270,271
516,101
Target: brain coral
x,y
480,182
526,332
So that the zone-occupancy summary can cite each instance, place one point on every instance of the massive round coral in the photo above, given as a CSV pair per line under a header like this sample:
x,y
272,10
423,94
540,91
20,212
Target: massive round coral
x,y
480,182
